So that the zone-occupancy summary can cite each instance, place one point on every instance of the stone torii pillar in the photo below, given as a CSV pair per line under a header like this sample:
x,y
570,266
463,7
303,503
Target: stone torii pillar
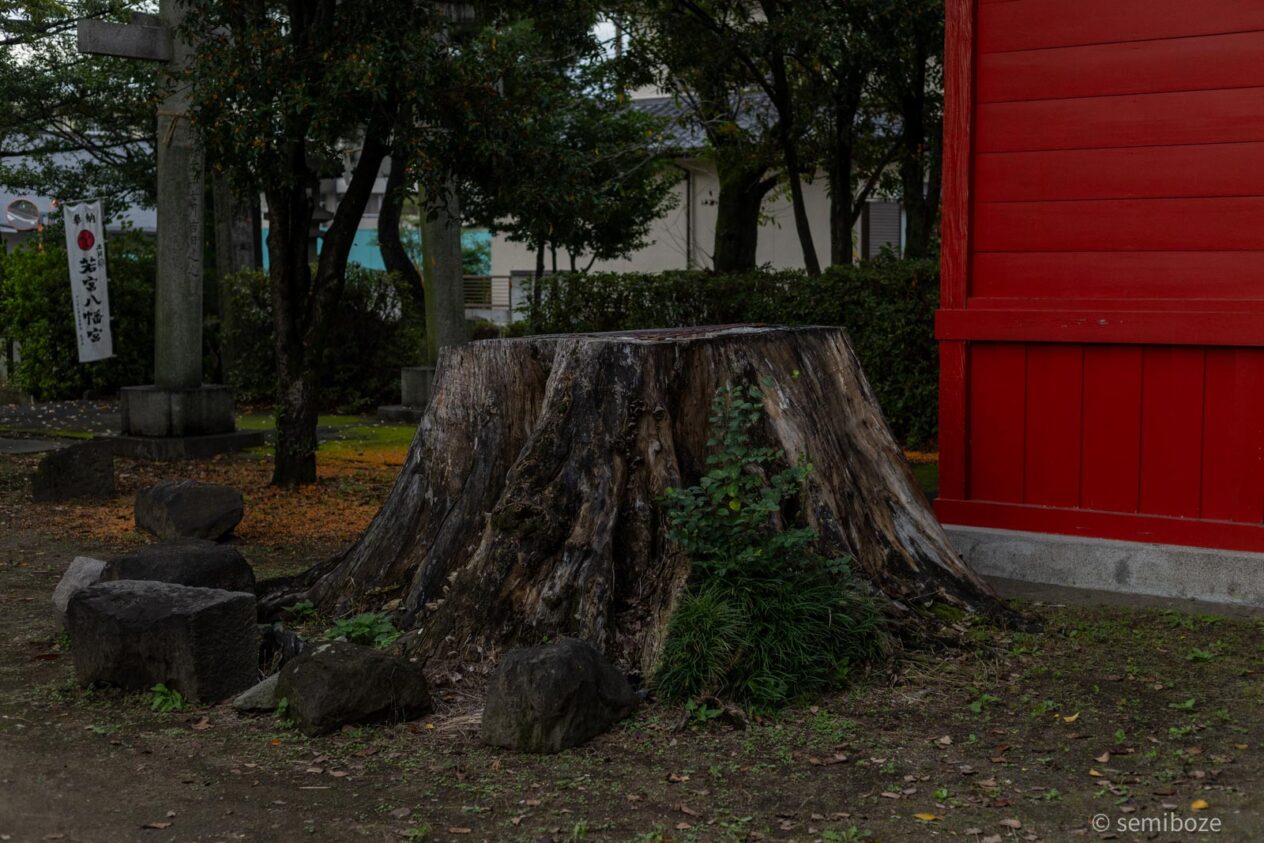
x,y
178,415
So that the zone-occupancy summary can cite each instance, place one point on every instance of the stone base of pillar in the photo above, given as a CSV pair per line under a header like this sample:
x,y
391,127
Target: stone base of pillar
x,y
155,411
416,386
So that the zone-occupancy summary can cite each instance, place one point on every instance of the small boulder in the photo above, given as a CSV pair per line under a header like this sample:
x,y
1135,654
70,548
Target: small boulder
x,y
80,472
337,683
545,699
202,642
262,697
192,562
188,509
83,572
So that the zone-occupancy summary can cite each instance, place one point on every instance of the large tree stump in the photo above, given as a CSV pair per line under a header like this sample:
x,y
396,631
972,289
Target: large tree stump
x,y
528,506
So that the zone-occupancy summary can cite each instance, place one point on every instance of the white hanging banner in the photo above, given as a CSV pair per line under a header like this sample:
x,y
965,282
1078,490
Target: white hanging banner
x,y
85,244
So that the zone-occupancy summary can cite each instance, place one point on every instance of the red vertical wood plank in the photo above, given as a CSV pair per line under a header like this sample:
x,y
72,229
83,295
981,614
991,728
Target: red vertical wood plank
x,y
1172,430
997,410
1233,437
1112,429
952,420
959,62
1052,450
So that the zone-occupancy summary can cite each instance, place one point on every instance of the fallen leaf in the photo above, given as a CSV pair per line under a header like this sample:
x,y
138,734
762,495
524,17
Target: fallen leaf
x,y
157,825
927,817
946,740
202,725
1094,773
1071,718
1012,823
887,794
456,829
683,826
1104,758
1199,805
531,803
685,809
677,778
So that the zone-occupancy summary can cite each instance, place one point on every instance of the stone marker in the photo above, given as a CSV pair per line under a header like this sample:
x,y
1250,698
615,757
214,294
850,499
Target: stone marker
x,y
546,699
338,683
176,509
83,471
192,562
202,642
261,697
83,572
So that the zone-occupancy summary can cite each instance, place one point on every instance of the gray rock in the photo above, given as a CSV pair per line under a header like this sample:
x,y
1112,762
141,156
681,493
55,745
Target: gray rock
x,y
194,562
337,683
545,699
202,642
188,509
262,697
83,471
83,572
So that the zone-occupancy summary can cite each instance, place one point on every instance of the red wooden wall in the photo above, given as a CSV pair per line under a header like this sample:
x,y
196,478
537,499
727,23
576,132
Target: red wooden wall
x,y
1102,322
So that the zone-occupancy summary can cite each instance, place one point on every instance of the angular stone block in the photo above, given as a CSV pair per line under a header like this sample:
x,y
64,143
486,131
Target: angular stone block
x,y
84,471
545,699
201,642
192,562
175,509
83,572
337,683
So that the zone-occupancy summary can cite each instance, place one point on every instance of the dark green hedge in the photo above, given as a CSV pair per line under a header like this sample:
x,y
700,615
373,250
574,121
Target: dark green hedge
x,y
886,305
36,310
377,333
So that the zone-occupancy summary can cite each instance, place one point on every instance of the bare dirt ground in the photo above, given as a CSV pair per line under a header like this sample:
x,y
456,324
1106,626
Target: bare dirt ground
x,y
1134,715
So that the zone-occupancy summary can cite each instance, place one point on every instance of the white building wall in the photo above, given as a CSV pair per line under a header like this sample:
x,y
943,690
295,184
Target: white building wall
x,y
778,240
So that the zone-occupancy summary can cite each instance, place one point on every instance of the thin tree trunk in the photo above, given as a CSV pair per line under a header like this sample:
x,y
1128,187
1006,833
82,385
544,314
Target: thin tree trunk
x,y
787,135
843,207
529,506
394,256
305,303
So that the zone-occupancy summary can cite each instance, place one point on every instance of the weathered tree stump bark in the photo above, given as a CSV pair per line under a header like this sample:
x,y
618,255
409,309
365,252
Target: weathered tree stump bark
x,y
528,506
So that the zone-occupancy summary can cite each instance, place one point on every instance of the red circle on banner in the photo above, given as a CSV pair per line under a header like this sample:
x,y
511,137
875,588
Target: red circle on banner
x,y
86,240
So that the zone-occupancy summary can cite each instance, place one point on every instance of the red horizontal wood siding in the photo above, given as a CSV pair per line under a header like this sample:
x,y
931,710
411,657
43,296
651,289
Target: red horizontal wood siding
x,y
1102,313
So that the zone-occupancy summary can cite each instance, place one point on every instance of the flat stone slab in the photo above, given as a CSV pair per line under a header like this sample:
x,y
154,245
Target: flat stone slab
x,y
185,447
338,683
191,562
202,642
187,509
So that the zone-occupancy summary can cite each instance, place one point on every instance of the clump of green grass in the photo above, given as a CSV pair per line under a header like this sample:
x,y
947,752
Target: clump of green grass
x,y
765,619
163,699
373,629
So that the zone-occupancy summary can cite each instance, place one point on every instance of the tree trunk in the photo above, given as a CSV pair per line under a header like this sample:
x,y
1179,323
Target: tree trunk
x,y
529,504
737,209
394,256
445,276
843,207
